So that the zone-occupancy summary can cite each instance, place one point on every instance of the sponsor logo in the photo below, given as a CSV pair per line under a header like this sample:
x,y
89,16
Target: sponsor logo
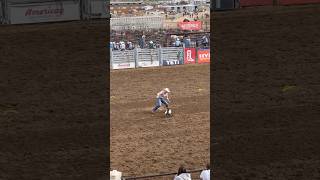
x,y
47,12
203,56
189,56
192,25
124,65
171,62
149,64
189,26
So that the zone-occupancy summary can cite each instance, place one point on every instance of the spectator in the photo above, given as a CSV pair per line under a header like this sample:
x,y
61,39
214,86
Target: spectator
x,y
111,46
142,41
186,41
182,174
117,46
177,43
130,46
179,55
122,46
151,45
205,41
205,174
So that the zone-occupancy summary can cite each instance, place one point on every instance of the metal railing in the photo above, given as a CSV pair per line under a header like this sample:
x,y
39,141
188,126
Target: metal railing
x,y
162,175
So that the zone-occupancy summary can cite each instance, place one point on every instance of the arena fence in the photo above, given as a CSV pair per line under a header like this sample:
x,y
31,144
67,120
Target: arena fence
x,y
168,56
195,174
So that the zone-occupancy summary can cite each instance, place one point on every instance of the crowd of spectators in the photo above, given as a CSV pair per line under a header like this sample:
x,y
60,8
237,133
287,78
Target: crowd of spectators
x,y
186,41
122,45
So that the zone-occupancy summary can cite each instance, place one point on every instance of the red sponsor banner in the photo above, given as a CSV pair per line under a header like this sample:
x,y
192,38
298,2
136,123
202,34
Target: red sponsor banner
x,y
189,55
203,56
288,2
191,25
255,2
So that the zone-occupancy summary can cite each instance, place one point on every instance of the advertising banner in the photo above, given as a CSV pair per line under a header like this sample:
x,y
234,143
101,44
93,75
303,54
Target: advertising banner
x,y
44,12
172,62
203,56
189,55
148,63
123,65
191,25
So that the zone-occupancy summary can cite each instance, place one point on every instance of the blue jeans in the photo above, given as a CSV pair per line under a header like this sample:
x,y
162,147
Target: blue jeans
x,y
159,102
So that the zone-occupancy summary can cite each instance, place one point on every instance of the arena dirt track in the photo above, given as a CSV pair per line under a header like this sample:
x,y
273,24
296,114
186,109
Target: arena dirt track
x,y
143,143
266,93
52,108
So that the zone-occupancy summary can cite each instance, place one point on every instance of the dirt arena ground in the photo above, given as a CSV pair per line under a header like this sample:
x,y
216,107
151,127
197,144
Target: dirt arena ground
x,y
143,143
266,89
53,100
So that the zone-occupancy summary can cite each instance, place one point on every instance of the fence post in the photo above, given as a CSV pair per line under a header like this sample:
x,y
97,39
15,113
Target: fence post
x,y
160,56
196,54
136,57
111,58
151,55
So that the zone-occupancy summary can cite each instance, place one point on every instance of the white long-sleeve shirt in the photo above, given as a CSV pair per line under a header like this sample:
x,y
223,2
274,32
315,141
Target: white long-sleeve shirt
x,y
183,176
205,175
163,93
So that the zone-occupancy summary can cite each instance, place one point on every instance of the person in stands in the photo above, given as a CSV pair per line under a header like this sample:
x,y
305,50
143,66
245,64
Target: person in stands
x,y
205,174
182,174
177,43
122,46
205,41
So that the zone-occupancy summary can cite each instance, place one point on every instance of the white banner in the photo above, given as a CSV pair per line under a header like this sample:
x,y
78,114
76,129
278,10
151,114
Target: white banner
x,y
44,12
148,63
99,9
124,65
